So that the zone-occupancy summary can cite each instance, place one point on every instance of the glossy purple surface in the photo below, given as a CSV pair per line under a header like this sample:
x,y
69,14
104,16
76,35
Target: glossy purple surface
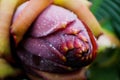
x,y
56,42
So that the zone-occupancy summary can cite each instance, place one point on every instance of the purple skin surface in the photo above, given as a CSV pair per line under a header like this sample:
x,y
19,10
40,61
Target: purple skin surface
x,y
56,42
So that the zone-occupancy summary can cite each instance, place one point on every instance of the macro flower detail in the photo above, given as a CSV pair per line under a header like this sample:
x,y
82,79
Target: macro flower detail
x,y
57,41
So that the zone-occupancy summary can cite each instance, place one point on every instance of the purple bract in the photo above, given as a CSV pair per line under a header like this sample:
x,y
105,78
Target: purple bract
x,y
57,42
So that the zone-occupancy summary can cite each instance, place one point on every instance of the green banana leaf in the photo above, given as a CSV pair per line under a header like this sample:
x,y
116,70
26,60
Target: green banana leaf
x,y
107,64
108,14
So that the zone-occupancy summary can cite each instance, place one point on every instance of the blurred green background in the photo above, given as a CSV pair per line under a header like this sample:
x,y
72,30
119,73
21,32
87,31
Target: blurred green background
x,y
107,64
